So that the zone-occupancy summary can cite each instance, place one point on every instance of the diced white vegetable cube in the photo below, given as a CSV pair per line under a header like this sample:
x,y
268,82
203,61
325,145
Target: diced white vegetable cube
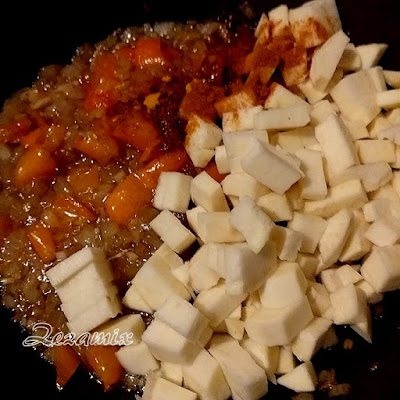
x,y
279,326
378,79
216,304
388,99
385,231
325,16
217,227
392,78
336,143
287,361
207,193
262,31
282,118
134,300
276,206
355,96
269,167
313,185
161,388
137,359
306,344
308,264
239,120
351,60
371,151
244,376
302,379
326,59
350,194
172,372
155,283
372,296
279,19
168,345
287,242
204,376
169,256
321,111
348,274
335,236
180,315
252,222
356,129
311,227
285,286
371,54
331,280
172,231
319,298
191,216
295,139
242,184
348,305
280,97
221,160
246,271
380,123
172,192
376,209
388,192
381,269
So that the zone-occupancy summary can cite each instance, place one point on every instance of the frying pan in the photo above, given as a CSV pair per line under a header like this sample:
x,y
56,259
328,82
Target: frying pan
x,y
34,36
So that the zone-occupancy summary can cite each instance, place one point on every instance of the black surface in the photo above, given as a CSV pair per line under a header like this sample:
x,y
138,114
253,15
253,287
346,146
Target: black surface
x,y
34,36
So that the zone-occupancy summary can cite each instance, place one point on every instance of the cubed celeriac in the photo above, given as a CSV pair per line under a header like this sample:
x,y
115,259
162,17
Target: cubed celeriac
x,y
319,298
385,231
287,361
191,216
371,151
388,99
172,372
276,206
135,301
168,256
279,19
172,231
221,160
242,184
326,59
172,192
370,54
376,75
280,97
295,139
375,209
302,379
239,120
160,388
351,60
244,376
287,242
392,78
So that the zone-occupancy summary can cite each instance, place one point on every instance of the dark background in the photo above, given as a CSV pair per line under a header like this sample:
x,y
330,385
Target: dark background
x,y
35,35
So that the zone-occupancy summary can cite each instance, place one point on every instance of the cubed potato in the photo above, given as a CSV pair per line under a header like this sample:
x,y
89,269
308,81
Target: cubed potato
x,y
284,286
280,97
172,192
372,296
252,222
216,304
137,359
246,271
313,185
245,378
351,60
376,209
279,326
287,118
134,300
326,16
172,231
355,96
319,298
372,151
172,372
326,59
392,78
207,193
356,129
287,361
268,166
191,216
160,388
348,274
276,206
180,315
216,227
349,305
221,160
370,54
377,77
381,269
239,120
204,376
385,231
321,111
388,192
311,339
156,284
335,236
302,379
308,264
287,242
265,357
242,184
311,227
337,144
388,99
169,256
295,139
380,123
350,194
331,280
168,345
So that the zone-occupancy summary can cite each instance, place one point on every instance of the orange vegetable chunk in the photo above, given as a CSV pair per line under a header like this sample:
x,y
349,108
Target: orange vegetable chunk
x,y
42,242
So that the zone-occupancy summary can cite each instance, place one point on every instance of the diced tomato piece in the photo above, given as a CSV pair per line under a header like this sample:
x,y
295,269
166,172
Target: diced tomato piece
x,y
212,170
136,190
35,162
100,147
135,128
11,132
104,363
101,91
66,361
42,242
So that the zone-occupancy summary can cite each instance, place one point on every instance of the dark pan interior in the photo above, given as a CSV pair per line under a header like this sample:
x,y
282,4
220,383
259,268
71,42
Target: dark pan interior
x,y
34,36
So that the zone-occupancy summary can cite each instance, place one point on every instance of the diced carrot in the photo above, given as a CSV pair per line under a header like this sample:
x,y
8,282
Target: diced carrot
x,y
212,170
54,137
104,363
66,361
84,179
136,190
36,137
135,128
101,148
101,90
148,51
66,206
35,162
42,242
152,151
6,226
11,132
